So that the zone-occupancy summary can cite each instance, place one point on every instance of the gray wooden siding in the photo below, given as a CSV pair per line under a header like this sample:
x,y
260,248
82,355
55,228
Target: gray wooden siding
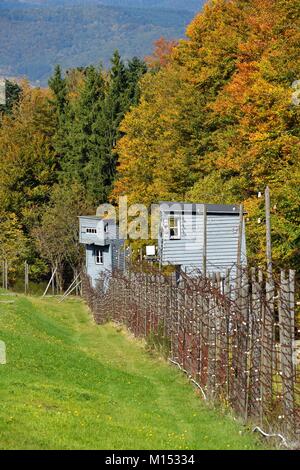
x,y
88,238
222,243
187,250
93,223
113,255
93,269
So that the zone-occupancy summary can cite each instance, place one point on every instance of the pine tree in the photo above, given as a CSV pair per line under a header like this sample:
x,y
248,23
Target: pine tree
x,y
122,92
136,68
81,143
59,88
88,134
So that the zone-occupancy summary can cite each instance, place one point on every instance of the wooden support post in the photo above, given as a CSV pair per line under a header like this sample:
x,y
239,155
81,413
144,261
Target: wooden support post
x,y
267,340
256,326
220,347
236,316
179,297
74,282
3,274
268,233
124,261
269,312
212,327
26,277
51,279
204,259
57,281
145,303
240,240
70,291
268,316
292,277
184,326
77,287
227,328
287,366
6,274
244,343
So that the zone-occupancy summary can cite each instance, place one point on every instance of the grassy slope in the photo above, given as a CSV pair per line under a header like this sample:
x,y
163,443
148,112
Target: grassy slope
x,y
71,384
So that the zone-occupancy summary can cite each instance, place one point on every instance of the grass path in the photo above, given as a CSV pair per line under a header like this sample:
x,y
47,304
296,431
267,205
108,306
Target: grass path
x,y
69,384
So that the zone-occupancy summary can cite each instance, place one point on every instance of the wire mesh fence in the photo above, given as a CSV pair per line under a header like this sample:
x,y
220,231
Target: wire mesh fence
x,y
235,338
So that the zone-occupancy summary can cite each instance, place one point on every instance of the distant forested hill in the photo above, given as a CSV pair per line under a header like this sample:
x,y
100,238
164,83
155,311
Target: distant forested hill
x,y
189,5
36,34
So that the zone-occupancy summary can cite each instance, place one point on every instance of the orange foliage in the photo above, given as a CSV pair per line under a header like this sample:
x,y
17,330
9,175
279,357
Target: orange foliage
x,y
218,124
162,54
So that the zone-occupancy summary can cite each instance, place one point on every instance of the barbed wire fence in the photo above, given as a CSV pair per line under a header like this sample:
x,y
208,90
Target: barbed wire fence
x,y
235,338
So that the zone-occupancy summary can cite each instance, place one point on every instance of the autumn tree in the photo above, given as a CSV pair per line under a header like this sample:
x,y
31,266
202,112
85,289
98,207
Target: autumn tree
x,y
27,160
156,151
162,54
64,134
217,123
256,137
13,244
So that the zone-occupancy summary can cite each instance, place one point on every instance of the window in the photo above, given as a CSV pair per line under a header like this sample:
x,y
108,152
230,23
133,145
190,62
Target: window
x,y
99,256
174,227
106,228
91,230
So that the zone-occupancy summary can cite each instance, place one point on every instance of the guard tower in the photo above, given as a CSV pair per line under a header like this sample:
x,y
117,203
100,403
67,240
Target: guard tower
x,y
103,248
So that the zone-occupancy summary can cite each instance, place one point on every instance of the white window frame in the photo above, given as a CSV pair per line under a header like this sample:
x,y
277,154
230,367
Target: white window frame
x,y
91,230
174,223
99,256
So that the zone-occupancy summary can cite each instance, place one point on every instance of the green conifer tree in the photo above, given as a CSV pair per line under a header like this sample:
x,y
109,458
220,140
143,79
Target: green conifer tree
x,y
81,144
59,88
87,137
135,70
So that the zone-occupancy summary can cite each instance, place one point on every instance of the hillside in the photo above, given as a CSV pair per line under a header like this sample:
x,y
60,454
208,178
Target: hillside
x,y
36,34
69,384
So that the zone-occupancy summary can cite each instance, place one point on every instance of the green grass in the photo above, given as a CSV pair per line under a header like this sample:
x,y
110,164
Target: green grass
x,y
69,384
